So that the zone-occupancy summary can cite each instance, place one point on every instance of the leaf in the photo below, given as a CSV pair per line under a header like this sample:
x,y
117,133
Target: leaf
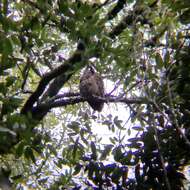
x,y
63,7
28,153
129,132
3,88
10,80
117,153
6,130
134,145
118,122
77,169
109,168
107,122
6,62
17,178
185,17
15,40
20,148
52,149
59,163
75,126
112,128
106,151
135,139
7,46
9,105
43,180
117,173
167,58
159,61
137,128
5,7
94,151
112,140
126,160
75,147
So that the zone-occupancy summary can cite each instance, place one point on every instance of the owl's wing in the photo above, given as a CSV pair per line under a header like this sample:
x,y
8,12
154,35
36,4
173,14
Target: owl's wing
x,y
100,85
91,84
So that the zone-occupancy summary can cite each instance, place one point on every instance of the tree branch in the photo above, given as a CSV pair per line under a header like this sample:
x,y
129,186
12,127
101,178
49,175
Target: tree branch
x,y
129,19
118,7
67,69
39,111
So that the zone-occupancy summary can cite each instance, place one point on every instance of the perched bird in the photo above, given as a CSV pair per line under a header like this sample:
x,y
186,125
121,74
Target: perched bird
x,y
91,86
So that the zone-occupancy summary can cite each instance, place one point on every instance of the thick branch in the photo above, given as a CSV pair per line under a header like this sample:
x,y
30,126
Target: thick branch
x,y
67,69
122,25
129,19
118,7
63,100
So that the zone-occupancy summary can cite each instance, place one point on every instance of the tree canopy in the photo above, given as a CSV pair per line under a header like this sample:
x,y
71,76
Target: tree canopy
x,y
50,138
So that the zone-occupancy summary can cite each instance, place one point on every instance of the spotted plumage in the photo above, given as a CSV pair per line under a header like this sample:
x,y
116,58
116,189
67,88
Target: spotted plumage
x,y
91,86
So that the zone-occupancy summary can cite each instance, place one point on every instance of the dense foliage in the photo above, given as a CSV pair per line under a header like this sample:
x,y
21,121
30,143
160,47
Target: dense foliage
x,y
49,136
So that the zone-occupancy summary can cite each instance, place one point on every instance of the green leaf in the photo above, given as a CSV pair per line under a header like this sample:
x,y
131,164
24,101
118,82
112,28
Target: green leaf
x,y
52,149
10,80
106,151
20,148
75,147
159,61
15,40
59,163
9,105
28,153
134,145
94,151
64,8
3,88
185,17
75,126
167,58
137,128
107,122
6,62
7,46
43,180
129,132
112,140
6,130
117,153
77,169
126,160
118,122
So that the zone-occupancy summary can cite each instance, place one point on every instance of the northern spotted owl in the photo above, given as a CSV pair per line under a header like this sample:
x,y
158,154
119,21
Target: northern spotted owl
x,y
91,86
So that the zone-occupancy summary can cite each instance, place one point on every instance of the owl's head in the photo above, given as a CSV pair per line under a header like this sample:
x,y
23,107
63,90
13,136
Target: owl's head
x,y
90,68
89,71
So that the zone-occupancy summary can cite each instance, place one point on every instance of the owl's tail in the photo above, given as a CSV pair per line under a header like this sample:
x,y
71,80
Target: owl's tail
x,y
96,105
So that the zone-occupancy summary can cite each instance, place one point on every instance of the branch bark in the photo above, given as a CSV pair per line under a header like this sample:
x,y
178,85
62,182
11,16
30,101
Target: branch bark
x,y
39,111
66,70
129,19
118,7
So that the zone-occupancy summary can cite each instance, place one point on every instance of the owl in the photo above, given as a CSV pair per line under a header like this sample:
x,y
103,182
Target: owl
x,y
91,85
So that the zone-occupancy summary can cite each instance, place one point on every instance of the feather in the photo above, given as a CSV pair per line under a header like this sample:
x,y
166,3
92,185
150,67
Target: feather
x,y
91,85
